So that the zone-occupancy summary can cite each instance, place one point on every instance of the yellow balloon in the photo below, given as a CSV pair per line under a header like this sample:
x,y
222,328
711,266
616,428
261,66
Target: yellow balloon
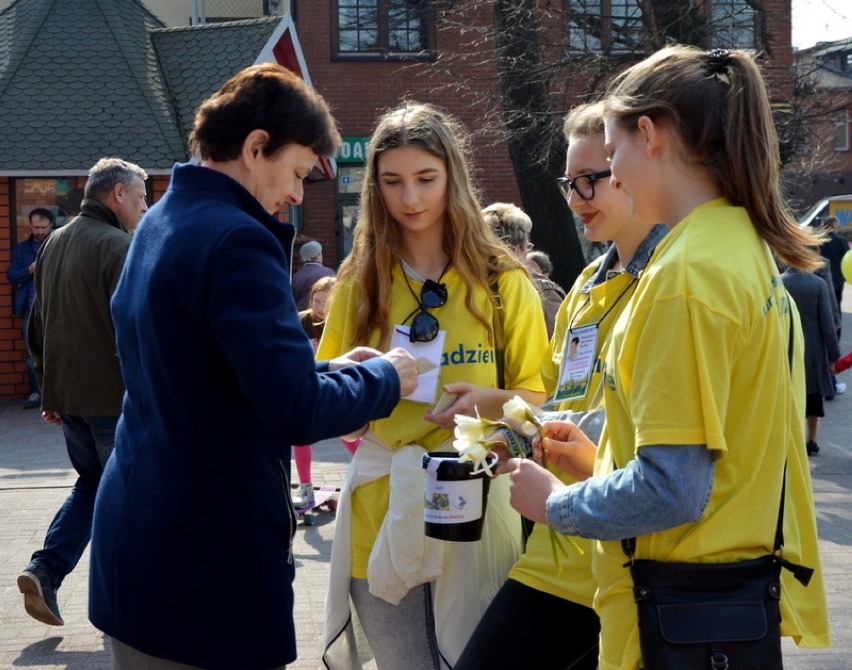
x,y
846,266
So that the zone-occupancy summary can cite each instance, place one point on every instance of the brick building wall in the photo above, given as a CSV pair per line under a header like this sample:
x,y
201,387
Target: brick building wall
x,y
464,81
12,367
358,91
822,166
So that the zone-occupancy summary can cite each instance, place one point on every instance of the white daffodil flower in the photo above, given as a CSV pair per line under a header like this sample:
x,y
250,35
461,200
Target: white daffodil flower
x,y
471,435
478,453
518,411
470,428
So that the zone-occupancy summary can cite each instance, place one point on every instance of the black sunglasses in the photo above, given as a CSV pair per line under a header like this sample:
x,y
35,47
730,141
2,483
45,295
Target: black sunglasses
x,y
583,184
425,327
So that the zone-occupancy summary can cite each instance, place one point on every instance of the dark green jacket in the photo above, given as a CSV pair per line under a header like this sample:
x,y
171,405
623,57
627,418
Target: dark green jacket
x,y
71,335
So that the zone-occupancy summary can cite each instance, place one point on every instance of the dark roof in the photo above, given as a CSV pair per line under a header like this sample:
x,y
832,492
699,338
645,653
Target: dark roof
x,y
819,64
84,79
197,60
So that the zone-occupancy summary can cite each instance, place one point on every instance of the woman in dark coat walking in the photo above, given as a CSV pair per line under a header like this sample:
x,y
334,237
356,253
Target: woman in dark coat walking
x,y
811,296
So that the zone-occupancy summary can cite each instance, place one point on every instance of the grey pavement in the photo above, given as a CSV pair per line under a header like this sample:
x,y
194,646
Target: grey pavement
x,y
35,477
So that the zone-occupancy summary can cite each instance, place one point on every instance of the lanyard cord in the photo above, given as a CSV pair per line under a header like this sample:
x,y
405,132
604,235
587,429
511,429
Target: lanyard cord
x,y
632,283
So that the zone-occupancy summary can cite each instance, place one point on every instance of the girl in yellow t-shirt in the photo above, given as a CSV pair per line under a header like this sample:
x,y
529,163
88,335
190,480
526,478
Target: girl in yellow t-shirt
x,y
557,592
422,274
703,411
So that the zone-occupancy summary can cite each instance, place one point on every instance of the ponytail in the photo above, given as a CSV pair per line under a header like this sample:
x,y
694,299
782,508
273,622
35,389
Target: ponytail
x,y
717,103
754,180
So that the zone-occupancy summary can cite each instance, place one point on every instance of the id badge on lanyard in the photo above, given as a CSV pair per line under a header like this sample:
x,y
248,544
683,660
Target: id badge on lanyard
x,y
578,358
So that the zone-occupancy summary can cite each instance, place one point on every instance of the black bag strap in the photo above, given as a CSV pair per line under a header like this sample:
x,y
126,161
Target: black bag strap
x,y
497,329
800,572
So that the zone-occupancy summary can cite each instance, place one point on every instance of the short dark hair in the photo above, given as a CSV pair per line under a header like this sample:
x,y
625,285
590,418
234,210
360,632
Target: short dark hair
x,y
263,97
43,213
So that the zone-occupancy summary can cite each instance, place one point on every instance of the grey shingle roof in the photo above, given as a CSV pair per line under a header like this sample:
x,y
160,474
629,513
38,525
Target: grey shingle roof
x,y
197,60
82,79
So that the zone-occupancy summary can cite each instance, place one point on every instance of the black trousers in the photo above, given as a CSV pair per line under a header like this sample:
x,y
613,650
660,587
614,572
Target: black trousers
x,y
525,628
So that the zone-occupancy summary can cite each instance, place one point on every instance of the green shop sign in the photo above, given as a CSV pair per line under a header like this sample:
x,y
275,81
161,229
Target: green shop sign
x,y
353,150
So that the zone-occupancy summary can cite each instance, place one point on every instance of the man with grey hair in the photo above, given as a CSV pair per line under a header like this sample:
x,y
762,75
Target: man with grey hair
x,y
72,343
312,271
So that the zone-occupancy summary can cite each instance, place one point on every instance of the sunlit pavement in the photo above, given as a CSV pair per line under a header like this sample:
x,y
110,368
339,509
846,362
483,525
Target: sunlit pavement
x,y
35,477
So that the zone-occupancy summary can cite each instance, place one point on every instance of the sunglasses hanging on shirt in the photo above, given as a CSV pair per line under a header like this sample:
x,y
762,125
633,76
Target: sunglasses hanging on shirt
x,y
424,326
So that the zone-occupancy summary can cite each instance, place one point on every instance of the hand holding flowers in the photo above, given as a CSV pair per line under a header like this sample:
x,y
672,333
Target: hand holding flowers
x,y
475,440
528,423
475,436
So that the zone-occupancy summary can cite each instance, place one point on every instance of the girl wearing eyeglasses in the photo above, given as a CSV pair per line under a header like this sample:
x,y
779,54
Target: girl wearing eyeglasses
x,y
703,409
423,273
558,595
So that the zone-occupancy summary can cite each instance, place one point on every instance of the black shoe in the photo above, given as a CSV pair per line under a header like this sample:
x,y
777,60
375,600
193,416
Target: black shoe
x,y
33,400
813,448
39,595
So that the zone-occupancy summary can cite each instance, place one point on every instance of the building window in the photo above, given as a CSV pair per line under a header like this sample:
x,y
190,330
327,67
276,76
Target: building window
x,y
733,24
384,29
610,26
841,132
618,26
61,195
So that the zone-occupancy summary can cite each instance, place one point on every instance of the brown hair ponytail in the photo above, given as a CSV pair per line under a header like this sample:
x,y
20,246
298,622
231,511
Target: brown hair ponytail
x,y
717,103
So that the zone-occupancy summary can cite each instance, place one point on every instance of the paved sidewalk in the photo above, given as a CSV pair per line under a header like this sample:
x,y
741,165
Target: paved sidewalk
x,y
35,477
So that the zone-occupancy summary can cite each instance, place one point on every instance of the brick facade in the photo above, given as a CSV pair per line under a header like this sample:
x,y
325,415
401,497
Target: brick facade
x,y
12,367
358,91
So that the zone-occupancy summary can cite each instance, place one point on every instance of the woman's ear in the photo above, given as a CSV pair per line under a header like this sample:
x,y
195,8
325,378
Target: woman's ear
x,y
651,133
253,145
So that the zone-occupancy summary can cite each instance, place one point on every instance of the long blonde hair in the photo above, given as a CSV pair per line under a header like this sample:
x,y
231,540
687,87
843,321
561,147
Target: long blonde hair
x,y
476,253
716,102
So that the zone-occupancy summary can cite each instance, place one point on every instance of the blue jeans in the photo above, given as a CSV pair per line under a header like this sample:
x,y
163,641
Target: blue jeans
x,y
89,440
31,378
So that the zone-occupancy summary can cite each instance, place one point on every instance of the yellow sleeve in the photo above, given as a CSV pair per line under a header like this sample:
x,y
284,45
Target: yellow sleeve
x,y
335,340
524,331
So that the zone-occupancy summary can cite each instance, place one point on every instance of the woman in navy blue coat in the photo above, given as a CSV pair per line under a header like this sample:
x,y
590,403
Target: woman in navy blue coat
x,y
191,549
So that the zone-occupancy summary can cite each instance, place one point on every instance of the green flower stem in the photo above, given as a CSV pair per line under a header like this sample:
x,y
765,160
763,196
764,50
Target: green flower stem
x,y
558,551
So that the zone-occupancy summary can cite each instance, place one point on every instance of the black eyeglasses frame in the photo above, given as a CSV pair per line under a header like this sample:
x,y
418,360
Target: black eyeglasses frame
x,y
566,184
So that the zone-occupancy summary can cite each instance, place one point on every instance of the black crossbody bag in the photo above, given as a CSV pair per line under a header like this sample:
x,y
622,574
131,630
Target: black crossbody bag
x,y
714,616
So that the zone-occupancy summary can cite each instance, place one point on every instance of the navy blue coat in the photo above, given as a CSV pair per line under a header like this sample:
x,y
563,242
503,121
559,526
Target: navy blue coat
x,y
191,547
23,255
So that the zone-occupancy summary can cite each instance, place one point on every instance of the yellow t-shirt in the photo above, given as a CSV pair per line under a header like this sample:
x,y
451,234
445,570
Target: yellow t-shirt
x,y
699,356
601,304
468,356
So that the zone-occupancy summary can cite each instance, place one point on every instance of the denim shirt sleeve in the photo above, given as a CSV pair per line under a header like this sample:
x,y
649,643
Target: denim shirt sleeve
x,y
663,487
